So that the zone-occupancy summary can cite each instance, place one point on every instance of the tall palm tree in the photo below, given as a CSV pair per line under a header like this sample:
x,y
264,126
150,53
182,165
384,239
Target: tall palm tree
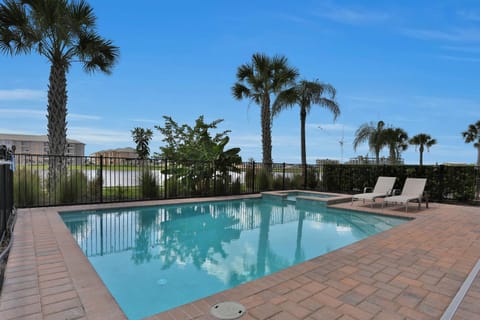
x,y
64,32
142,138
473,135
422,140
305,93
375,136
258,81
397,141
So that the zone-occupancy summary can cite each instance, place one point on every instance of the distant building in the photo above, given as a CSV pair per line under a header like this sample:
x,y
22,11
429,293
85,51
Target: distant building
x,y
321,162
115,156
38,144
367,160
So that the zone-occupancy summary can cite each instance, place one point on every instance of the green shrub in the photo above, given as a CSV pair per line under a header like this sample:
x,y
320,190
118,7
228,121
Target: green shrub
x,y
72,188
27,188
149,186
95,188
264,180
236,187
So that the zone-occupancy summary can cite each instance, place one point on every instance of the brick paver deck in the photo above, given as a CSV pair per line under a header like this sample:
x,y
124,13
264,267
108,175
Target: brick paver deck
x,y
409,272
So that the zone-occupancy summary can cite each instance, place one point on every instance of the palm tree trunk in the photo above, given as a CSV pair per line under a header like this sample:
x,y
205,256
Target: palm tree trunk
x,y
266,131
421,155
57,124
478,154
392,155
303,116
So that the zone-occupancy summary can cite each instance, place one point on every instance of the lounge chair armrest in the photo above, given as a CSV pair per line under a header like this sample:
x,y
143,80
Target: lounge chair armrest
x,y
396,192
367,189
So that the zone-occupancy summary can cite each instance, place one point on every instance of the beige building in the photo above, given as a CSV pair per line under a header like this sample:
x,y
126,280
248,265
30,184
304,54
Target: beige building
x,y
116,156
38,144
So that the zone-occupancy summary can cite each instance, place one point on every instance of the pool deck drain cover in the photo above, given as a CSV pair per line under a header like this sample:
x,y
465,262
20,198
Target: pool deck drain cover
x,y
227,310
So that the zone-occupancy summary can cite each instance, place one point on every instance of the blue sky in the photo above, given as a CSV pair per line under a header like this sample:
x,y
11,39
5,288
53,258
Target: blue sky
x,y
412,64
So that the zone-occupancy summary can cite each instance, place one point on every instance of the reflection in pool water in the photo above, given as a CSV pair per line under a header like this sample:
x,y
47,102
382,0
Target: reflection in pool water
x,y
156,258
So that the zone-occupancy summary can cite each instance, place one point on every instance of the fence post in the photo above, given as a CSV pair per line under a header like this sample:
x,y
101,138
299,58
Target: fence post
x,y
101,178
165,179
253,176
305,176
283,180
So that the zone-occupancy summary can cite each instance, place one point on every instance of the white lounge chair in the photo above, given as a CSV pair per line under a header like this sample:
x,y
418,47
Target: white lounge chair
x,y
383,188
412,191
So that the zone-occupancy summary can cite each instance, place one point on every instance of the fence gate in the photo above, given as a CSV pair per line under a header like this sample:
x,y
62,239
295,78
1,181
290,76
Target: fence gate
x,y
6,188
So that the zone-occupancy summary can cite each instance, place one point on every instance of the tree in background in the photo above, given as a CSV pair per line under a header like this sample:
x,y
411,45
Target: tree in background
x,y
397,141
304,94
257,81
372,134
473,135
198,155
64,32
422,140
142,138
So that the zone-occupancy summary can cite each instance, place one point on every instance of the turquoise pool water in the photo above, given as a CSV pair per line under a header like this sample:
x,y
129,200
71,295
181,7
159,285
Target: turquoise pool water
x,y
156,258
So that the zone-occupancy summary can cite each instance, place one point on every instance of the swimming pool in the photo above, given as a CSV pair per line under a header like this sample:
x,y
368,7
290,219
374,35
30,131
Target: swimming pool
x,y
155,258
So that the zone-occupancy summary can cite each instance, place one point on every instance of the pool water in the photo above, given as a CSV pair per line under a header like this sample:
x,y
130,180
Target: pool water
x,y
156,258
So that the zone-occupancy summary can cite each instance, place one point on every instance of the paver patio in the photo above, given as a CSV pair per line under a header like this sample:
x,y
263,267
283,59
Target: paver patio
x,y
412,271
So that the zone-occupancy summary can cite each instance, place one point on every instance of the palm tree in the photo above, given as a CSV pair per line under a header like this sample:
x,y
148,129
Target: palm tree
x,y
422,140
374,135
305,93
473,135
397,141
64,32
257,81
142,138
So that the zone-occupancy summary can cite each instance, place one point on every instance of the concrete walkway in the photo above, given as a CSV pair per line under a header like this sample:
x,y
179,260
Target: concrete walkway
x,y
412,271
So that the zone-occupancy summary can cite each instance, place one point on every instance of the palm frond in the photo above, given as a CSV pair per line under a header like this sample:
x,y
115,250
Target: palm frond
x,y
284,100
96,53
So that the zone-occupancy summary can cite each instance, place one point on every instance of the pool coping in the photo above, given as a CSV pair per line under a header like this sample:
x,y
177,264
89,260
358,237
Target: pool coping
x,y
48,276
335,197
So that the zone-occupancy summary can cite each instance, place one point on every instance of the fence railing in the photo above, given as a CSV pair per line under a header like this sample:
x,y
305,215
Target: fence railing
x,y
6,189
84,180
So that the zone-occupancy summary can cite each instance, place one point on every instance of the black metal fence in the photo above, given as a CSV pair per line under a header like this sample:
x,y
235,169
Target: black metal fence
x,y
83,180
6,189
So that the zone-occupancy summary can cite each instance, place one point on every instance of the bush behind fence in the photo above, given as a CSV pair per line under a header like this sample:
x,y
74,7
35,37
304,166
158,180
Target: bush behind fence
x,y
85,180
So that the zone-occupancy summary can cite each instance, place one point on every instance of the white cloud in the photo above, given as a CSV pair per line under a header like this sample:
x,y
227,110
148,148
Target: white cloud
x,y
97,136
468,49
76,116
41,114
458,58
23,113
147,121
469,15
454,35
352,16
328,127
22,94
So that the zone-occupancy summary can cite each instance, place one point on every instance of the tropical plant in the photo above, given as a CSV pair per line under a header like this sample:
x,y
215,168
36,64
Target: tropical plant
x,y
422,140
27,187
64,32
473,135
198,157
257,81
72,188
142,138
374,135
397,141
304,94
149,185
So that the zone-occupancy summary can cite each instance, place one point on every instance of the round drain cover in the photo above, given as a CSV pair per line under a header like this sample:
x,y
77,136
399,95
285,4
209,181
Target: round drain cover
x,y
227,310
